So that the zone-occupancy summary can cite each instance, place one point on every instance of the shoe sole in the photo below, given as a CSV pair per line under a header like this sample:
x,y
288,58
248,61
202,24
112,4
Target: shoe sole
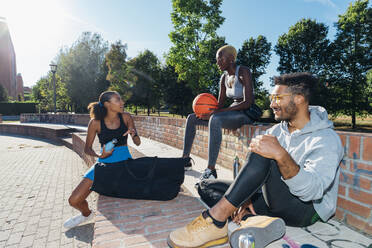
x,y
212,243
269,232
188,168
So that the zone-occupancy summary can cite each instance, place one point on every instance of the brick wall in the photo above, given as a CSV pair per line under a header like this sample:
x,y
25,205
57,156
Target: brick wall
x,y
355,192
45,132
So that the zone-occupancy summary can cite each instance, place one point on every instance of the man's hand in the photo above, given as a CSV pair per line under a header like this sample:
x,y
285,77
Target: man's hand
x,y
267,146
246,208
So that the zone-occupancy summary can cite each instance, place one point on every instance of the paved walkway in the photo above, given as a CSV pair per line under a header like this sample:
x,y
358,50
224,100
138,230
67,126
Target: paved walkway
x,y
36,179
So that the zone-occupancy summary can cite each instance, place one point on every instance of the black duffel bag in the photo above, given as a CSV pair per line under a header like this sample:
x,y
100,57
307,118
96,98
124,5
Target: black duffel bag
x,y
147,178
212,190
254,112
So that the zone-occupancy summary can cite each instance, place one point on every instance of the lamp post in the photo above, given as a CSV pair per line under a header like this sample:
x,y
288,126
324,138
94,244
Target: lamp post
x,y
53,68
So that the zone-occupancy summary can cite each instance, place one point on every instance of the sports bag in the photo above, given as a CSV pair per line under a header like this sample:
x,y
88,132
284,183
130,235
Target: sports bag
x,y
212,190
147,178
254,112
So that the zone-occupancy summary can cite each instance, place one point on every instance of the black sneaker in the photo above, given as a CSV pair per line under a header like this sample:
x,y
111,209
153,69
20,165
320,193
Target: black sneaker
x,y
208,174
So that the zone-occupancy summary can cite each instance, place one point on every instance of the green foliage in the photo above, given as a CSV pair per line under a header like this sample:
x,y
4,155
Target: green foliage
x,y
3,94
196,42
369,88
146,88
42,93
118,69
256,53
83,71
303,48
306,48
352,59
16,108
177,95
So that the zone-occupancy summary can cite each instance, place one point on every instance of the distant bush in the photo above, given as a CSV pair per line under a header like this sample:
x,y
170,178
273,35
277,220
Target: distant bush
x,y
16,108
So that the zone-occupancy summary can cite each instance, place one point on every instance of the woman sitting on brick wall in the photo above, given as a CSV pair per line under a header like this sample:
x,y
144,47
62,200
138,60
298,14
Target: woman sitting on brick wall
x,y
108,122
235,83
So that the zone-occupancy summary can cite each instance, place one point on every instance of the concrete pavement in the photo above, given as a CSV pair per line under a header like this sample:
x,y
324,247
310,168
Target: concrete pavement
x,y
36,179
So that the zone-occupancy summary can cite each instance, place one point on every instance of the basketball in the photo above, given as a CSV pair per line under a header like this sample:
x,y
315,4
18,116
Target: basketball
x,y
204,104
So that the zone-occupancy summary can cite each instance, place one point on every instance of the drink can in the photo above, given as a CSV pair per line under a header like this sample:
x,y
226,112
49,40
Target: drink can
x,y
246,241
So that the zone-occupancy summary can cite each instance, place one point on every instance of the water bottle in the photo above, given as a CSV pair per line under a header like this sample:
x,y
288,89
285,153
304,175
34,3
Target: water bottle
x,y
236,167
109,145
246,240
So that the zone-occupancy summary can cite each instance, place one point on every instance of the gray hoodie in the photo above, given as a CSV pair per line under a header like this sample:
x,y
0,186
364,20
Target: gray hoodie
x,y
317,149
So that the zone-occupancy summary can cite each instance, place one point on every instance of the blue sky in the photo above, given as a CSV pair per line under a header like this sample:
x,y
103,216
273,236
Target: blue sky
x,y
41,27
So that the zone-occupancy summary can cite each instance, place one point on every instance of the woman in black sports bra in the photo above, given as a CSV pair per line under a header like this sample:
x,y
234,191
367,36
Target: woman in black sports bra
x,y
108,121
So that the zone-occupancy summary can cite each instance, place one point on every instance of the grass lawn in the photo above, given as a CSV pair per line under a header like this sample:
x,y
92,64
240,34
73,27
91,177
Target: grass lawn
x,y
343,123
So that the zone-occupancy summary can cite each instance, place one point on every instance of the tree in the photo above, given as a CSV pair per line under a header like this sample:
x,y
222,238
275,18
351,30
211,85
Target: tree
x,y
369,89
352,60
256,53
82,69
146,70
196,42
177,95
3,94
43,94
118,69
306,48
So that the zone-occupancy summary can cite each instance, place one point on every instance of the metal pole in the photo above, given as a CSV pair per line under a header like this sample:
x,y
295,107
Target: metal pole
x,y
54,85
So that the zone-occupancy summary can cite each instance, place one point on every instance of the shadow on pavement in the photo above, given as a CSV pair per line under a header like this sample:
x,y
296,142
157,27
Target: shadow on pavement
x,y
82,233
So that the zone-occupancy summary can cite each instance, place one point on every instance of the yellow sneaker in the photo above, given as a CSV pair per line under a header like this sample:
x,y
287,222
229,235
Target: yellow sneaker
x,y
263,229
199,233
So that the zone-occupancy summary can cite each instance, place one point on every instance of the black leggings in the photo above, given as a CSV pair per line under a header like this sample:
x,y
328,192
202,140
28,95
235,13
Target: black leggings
x,y
257,172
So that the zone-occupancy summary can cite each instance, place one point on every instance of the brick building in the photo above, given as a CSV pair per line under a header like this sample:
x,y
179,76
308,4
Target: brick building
x,y
8,69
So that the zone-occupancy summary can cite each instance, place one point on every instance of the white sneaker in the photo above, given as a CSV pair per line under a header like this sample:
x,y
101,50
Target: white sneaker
x,y
208,174
77,220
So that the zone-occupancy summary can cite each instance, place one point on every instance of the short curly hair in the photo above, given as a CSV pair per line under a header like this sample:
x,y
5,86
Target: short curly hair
x,y
228,49
301,83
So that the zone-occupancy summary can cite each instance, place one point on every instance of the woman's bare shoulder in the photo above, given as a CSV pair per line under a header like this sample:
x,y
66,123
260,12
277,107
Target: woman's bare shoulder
x,y
95,124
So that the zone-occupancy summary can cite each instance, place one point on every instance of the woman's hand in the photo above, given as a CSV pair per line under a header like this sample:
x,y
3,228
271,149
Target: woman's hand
x,y
246,208
105,153
130,131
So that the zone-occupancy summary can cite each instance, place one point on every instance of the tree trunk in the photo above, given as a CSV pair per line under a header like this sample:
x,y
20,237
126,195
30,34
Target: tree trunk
x,y
353,121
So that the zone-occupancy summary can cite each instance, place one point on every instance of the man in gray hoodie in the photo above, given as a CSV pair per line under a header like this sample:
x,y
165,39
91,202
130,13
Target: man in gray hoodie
x,y
297,162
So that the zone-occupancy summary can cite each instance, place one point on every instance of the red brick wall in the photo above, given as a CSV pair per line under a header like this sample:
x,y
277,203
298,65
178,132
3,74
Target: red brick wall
x,y
355,194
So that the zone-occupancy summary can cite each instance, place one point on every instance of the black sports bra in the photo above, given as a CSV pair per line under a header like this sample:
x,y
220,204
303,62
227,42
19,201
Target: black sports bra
x,y
107,135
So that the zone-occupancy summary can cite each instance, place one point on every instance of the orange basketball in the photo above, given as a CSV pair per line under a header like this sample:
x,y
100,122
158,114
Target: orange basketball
x,y
204,104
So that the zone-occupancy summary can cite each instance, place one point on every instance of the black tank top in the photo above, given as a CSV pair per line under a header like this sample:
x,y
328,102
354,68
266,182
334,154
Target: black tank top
x,y
107,135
